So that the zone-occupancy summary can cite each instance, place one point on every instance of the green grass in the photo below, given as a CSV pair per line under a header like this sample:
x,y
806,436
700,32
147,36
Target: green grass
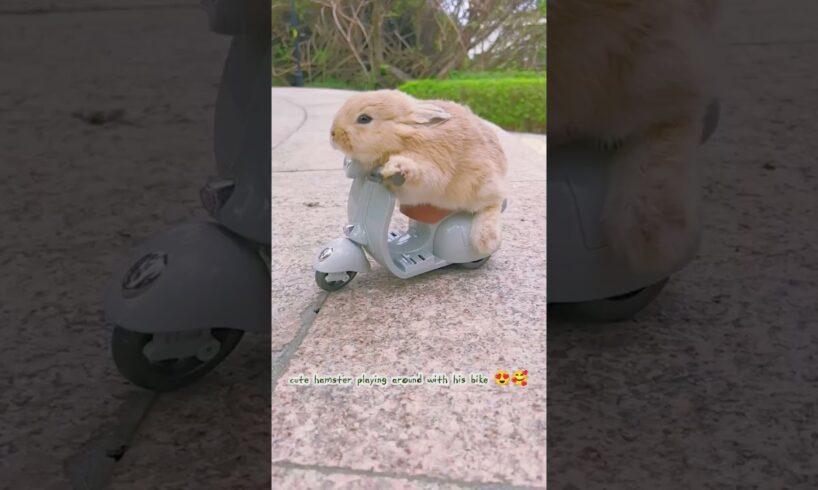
x,y
514,104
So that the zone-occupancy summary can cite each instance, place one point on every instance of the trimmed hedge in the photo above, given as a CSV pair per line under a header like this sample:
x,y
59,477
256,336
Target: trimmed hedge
x,y
482,75
514,104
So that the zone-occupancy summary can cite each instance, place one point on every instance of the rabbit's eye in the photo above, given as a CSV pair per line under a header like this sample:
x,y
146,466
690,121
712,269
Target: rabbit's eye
x,y
364,119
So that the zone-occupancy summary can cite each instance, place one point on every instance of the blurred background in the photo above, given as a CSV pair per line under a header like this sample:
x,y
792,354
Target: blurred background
x,y
487,54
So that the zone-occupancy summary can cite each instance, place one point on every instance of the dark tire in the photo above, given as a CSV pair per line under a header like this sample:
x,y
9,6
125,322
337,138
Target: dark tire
x,y
321,280
616,308
126,348
474,265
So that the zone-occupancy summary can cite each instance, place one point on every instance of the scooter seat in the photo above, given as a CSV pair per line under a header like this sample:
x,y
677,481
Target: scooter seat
x,y
425,213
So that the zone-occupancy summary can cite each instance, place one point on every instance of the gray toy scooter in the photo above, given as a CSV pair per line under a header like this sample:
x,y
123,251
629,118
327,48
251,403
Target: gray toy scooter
x,y
423,247
585,279
183,300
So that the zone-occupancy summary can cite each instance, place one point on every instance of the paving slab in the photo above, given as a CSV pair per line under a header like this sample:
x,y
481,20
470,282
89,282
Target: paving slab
x,y
212,434
288,116
446,321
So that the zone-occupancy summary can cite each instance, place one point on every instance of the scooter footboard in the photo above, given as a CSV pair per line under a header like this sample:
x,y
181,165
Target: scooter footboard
x,y
194,276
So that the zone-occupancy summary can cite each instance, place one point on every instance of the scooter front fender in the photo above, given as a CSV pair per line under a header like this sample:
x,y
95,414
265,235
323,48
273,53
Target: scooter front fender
x,y
341,255
194,276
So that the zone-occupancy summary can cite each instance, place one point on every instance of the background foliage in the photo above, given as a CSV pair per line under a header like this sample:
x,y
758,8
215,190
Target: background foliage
x,y
488,54
382,43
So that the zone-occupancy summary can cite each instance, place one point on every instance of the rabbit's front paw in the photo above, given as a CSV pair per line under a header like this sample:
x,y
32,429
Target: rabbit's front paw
x,y
398,165
652,231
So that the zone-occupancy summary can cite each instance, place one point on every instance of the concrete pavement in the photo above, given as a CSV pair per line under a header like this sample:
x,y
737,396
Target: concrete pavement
x,y
446,321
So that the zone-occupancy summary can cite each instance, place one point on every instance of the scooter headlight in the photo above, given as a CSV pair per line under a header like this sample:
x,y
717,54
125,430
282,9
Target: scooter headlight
x,y
324,255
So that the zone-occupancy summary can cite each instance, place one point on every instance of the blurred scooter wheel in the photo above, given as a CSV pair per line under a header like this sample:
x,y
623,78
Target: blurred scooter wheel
x,y
127,349
475,264
613,309
333,285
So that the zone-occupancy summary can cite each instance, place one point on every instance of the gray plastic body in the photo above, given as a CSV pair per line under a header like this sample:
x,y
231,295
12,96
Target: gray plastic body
x,y
581,266
419,249
242,135
198,276
215,275
234,17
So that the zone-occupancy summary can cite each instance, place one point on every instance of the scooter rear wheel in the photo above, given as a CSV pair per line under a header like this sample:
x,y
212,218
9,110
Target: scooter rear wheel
x,y
614,309
323,283
476,264
127,350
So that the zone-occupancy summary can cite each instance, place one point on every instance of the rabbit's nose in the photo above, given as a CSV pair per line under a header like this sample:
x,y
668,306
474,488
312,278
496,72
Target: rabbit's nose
x,y
332,133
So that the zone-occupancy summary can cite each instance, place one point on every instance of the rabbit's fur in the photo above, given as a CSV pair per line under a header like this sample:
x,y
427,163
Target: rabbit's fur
x,y
637,75
448,156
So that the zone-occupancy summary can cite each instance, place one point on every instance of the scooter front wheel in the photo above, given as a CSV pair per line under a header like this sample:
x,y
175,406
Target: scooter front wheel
x,y
128,350
334,281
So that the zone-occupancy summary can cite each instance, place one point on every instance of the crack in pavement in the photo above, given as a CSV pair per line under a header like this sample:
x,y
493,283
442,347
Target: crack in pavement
x,y
330,470
308,317
300,124
93,466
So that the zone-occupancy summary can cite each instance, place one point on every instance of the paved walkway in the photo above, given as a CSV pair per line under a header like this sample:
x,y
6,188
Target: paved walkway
x,y
446,321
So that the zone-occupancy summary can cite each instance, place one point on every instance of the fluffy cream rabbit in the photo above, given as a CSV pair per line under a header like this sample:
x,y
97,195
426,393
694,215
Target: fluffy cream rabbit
x,y
448,156
637,74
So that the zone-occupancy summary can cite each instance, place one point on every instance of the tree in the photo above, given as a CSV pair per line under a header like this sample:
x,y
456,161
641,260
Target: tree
x,y
384,42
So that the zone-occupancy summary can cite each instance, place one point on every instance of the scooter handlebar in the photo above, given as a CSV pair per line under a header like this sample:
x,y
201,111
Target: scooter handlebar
x,y
396,180
353,170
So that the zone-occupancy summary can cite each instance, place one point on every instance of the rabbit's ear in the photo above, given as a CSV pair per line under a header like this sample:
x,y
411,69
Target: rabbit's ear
x,y
428,114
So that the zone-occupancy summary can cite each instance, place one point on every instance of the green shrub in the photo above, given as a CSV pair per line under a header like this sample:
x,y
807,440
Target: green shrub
x,y
514,104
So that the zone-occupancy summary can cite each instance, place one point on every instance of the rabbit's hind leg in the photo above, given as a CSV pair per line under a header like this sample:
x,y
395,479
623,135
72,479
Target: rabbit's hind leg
x,y
651,215
486,229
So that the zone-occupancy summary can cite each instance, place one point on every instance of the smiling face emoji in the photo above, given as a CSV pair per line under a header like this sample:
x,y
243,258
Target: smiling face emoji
x,y
501,378
520,377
